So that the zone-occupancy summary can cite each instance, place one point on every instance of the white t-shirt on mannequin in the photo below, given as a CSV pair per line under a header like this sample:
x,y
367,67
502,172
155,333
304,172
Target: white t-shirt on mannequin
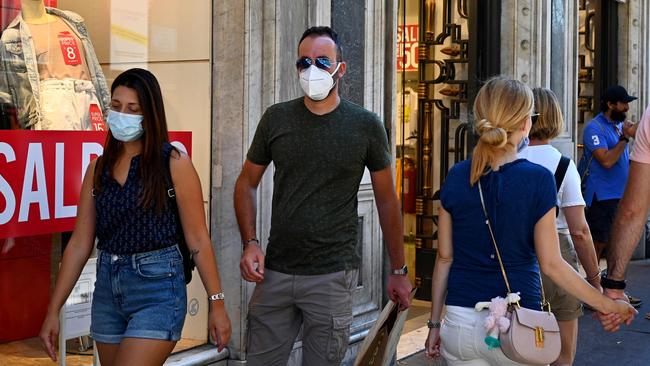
x,y
569,194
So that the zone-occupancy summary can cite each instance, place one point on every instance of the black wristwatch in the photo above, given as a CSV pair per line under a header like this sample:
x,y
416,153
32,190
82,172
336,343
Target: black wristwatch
x,y
624,138
612,284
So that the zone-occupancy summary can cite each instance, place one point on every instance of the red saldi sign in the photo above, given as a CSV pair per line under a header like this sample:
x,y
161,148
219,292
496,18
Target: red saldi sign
x,y
41,174
407,47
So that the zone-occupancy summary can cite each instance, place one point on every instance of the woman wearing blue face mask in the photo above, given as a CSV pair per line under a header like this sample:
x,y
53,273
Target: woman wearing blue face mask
x,y
139,302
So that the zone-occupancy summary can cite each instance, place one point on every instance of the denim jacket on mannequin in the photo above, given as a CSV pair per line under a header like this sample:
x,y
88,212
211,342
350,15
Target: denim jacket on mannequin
x,y
19,81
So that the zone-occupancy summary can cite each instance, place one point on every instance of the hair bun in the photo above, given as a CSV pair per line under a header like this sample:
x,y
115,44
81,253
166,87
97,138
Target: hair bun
x,y
491,135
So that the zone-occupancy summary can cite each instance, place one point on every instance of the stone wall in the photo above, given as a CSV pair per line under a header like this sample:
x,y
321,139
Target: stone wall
x,y
254,52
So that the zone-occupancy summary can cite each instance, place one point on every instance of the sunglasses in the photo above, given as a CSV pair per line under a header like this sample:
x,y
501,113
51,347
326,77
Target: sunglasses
x,y
322,62
533,117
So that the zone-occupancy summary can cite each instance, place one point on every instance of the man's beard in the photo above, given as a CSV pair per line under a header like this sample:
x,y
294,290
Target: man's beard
x,y
617,116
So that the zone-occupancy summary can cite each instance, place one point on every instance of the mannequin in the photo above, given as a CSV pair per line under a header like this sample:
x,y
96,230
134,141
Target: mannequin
x,y
34,12
52,74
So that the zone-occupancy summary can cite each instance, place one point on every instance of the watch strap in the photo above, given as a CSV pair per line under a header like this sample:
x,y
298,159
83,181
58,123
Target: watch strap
x,y
432,324
217,296
400,271
612,284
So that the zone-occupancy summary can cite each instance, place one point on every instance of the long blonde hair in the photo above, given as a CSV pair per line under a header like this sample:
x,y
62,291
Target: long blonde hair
x,y
502,105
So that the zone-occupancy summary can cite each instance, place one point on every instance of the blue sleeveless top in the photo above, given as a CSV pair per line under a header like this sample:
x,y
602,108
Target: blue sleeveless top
x,y
122,225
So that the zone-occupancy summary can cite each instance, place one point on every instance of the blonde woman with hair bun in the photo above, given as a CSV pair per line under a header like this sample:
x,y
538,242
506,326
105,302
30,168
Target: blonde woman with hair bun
x,y
520,199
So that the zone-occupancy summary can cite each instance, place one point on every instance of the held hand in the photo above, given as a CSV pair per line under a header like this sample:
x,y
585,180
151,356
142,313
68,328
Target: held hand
x,y
252,263
399,290
629,128
49,334
615,294
219,325
626,311
620,311
432,345
610,322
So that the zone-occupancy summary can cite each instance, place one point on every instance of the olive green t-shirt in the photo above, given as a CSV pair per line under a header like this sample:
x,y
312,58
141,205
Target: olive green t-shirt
x,y
319,162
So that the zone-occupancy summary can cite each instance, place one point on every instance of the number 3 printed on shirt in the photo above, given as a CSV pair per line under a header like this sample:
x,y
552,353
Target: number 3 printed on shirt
x,y
595,139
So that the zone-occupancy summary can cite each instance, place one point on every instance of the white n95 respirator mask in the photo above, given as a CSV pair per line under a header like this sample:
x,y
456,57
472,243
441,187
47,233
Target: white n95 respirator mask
x,y
317,83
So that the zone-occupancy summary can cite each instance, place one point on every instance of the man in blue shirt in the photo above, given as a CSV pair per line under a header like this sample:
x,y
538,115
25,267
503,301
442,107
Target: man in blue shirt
x,y
606,155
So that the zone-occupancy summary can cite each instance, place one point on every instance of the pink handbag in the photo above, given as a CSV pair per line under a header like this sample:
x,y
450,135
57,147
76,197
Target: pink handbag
x,y
534,336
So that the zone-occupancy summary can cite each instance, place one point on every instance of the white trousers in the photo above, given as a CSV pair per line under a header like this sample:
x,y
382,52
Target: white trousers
x,y
462,339
65,104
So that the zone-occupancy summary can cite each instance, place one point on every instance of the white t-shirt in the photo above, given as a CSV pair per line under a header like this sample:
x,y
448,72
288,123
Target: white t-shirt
x,y
569,194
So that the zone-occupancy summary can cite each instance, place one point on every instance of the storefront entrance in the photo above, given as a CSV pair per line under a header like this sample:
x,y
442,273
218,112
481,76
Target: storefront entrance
x,y
438,73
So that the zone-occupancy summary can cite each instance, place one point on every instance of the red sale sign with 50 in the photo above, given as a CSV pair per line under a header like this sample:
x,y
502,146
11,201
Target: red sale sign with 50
x,y
41,174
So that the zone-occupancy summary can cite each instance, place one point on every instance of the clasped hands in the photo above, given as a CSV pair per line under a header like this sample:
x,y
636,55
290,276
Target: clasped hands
x,y
612,322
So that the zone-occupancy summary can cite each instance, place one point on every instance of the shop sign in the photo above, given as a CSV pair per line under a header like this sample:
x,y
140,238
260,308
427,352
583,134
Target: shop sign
x,y
41,174
407,47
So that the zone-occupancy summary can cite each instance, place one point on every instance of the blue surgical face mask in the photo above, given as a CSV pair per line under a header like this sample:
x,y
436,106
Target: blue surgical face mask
x,y
523,144
125,127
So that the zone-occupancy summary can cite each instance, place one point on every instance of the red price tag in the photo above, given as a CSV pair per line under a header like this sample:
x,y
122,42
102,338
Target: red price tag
x,y
96,119
69,49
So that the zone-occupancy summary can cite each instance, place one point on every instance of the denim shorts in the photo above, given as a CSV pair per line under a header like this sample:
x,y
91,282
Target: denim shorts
x,y
140,295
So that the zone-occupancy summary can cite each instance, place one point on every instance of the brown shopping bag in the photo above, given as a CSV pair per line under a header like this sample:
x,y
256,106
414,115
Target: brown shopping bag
x,y
381,342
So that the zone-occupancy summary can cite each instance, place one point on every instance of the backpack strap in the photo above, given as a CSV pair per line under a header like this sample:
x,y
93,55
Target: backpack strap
x,y
171,192
188,262
560,171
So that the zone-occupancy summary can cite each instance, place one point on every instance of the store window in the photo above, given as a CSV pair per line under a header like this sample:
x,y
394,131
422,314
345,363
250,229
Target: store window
x,y
432,128
59,58
406,129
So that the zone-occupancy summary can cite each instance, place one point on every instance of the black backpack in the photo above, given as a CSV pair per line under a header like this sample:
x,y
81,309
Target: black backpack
x,y
560,172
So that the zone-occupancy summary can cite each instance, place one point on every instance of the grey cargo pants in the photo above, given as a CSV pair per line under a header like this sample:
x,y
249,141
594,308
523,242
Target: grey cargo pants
x,y
282,303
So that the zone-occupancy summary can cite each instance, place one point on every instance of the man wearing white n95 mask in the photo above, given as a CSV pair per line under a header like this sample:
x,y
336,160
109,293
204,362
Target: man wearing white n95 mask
x,y
320,145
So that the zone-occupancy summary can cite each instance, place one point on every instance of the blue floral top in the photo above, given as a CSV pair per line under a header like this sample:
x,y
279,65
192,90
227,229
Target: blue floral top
x,y
122,225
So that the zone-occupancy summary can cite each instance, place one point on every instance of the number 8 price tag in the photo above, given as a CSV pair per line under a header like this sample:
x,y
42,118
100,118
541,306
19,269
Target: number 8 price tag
x,y
69,49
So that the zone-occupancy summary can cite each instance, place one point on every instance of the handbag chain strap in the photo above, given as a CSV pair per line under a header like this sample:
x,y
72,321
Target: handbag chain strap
x,y
496,248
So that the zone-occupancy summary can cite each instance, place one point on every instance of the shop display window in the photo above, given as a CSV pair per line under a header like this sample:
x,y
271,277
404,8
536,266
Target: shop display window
x,y
59,58
431,129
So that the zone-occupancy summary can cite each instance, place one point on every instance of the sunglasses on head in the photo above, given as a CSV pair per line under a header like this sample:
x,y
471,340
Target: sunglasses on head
x,y
533,117
322,62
